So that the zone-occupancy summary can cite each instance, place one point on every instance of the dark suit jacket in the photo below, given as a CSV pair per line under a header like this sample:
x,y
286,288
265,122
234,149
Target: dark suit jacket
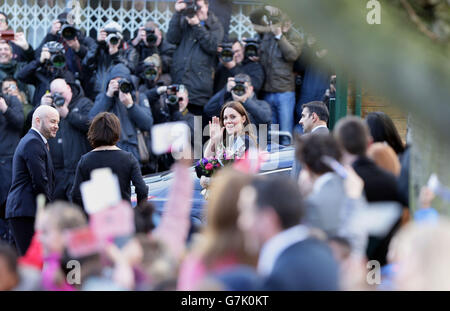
x,y
32,174
306,265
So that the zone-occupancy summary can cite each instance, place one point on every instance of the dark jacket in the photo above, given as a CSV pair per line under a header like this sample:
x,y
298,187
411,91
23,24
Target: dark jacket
x,y
259,111
253,69
98,64
40,76
304,266
11,124
164,50
71,142
137,117
20,54
278,57
32,174
12,70
194,60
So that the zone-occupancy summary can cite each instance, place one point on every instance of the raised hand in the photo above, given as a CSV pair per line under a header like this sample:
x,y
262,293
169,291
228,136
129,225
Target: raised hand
x,y
215,131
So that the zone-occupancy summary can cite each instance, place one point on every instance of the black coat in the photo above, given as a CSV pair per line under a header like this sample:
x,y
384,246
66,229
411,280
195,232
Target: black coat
x,y
11,124
32,174
71,142
194,60
164,50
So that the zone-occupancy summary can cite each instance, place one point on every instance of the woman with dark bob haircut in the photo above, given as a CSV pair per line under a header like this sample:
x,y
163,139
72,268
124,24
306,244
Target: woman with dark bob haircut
x,y
103,135
382,129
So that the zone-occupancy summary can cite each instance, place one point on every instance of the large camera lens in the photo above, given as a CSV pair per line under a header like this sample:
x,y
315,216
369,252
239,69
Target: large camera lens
x,y
68,32
151,37
125,86
114,40
172,99
58,100
251,51
150,73
58,61
239,89
191,8
227,55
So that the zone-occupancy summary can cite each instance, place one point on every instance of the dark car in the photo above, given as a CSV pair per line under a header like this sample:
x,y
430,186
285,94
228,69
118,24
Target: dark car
x,y
279,162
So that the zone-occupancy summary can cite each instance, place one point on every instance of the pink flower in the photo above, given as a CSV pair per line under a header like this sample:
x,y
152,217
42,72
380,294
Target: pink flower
x,y
209,166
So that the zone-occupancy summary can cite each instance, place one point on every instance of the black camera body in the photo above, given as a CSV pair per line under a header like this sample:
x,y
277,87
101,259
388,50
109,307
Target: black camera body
x,y
113,36
125,86
58,99
227,52
251,47
172,98
57,54
239,89
151,36
191,8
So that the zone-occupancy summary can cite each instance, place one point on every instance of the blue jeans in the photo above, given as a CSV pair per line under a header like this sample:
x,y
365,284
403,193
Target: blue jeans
x,y
282,105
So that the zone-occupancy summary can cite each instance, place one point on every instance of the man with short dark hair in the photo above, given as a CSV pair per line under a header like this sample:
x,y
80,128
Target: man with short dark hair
x,y
314,118
289,257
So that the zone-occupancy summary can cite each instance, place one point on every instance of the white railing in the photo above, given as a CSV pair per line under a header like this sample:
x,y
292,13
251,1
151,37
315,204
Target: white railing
x,y
35,17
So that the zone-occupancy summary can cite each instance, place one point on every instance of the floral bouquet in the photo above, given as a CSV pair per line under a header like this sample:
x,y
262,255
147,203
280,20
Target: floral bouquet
x,y
206,167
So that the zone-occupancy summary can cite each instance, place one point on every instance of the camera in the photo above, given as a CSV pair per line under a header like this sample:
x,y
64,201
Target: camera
x,y
125,86
251,47
150,72
227,52
151,36
239,89
58,99
7,35
56,50
113,36
191,8
172,98
271,19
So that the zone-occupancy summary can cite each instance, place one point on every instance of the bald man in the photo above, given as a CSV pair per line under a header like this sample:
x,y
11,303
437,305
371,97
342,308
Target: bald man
x,y
32,174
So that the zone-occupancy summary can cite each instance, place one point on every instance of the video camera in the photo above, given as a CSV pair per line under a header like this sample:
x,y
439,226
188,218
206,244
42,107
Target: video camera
x,y
57,58
251,47
7,35
151,36
239,89
113,36
227,52
58,99
191,8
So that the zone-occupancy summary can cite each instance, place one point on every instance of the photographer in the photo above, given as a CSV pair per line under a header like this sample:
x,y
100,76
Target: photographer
x,y
149,41
234,59
11,123
132,108
21,50
70,142
40,72
111,50
196,33
150,74
240,89
9,87
280,47
76,45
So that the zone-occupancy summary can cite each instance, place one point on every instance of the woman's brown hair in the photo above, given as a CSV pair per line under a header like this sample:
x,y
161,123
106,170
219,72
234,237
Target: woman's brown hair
x,y
104,130
241,110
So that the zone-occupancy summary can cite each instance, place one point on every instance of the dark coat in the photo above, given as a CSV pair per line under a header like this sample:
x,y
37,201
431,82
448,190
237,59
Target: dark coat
x,y
11,70
137,117
32,174
194,60
164,50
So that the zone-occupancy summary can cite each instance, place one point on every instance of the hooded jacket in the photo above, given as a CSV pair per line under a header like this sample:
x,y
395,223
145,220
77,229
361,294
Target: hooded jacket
x,y
194,60
70,142
139,116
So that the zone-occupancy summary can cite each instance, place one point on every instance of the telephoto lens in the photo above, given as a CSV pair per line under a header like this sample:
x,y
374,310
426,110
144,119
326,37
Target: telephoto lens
x,y
150,73
151,37
191,8
125,86
172,98
227,52
251,48
58,60
239,89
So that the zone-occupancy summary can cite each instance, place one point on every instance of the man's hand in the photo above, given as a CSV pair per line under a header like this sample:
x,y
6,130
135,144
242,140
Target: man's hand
x,y
63,111
3,105
56,26
286,26
21,41
47,99
45,54
180,5
113,87
193,21
162,89
101,37
74,44
125,98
